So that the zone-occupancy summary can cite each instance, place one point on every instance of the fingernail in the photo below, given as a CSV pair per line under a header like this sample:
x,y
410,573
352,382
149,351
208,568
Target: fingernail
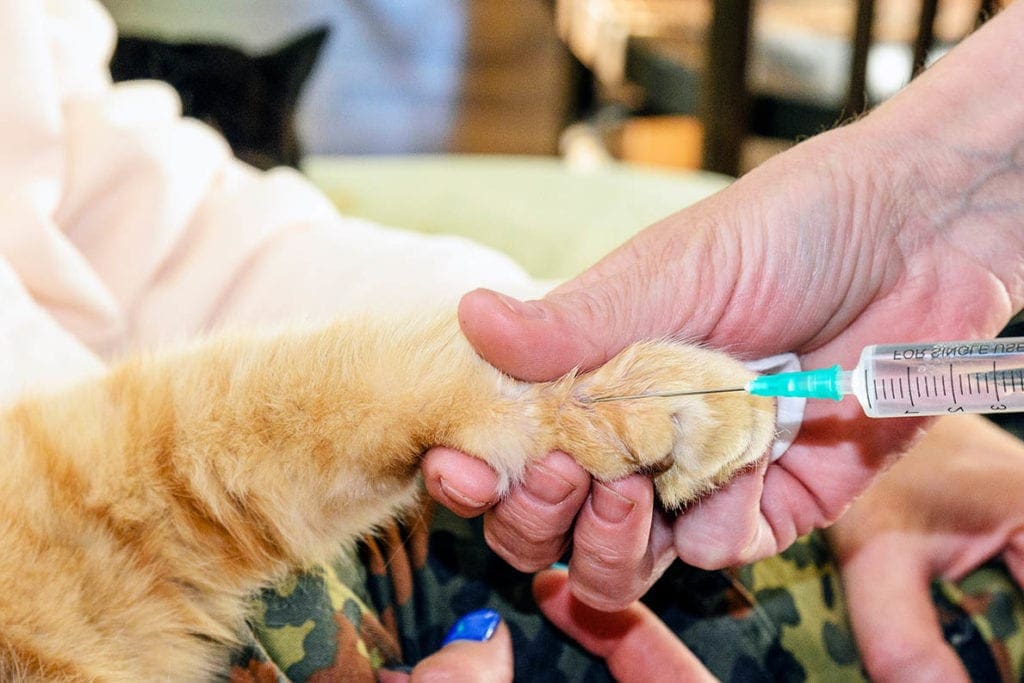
x,y
526,309
477,626
609,505
547,485
560,566
460,497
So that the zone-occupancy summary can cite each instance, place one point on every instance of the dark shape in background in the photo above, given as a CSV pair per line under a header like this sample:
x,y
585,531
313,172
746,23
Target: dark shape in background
x,y
251,99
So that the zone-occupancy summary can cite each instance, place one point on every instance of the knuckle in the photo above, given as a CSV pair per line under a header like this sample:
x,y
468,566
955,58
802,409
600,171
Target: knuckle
x,y
525,557
707,552
712,558
606,596
605,553
530,523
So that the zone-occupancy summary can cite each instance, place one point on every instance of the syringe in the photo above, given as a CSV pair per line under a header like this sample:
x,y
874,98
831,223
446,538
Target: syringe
x,y
899,380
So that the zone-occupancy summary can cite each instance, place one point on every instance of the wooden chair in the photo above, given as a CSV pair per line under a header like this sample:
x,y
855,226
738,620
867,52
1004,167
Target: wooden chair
x,y
725,108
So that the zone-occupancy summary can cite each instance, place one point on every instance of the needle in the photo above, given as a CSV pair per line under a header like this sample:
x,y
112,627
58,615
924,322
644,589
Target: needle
x,y
662,394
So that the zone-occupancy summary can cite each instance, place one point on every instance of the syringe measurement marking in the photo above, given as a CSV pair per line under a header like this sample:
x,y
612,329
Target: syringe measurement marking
x,y
888,388
946,389
866,394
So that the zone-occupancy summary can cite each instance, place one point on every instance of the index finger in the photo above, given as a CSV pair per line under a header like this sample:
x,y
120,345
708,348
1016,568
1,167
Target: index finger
x,y
635,644
888,589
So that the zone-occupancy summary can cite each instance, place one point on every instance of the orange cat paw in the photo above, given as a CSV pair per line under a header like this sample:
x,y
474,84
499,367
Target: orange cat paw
x,y
690,444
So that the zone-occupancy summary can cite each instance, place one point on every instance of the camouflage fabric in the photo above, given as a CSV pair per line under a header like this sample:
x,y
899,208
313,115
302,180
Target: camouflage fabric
x,y
783,618
780,619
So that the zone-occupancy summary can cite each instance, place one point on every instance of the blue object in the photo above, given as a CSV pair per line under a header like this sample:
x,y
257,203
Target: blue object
x,y
823,383
476,626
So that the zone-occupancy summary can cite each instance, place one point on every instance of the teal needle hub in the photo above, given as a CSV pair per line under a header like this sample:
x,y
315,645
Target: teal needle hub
x,y
822,383
899,380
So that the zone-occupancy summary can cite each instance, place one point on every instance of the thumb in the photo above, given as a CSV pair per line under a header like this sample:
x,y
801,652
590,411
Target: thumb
x,y
634,643
678,275
895,622
477,648
544,339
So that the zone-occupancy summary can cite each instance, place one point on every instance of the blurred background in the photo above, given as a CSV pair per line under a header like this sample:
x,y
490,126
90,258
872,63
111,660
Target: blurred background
x,y
708,84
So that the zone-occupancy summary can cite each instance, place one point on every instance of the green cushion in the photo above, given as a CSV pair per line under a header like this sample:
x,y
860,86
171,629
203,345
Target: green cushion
x,y
553,220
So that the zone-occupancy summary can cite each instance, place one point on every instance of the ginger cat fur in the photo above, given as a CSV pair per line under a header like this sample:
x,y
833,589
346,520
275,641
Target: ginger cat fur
x,y
138,511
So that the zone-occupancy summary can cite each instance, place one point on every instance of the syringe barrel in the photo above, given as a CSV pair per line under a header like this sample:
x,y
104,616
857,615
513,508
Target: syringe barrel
x,y
940,378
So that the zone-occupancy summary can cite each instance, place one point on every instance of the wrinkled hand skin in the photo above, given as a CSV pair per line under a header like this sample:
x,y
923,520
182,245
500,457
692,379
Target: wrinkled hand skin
x,y
902,226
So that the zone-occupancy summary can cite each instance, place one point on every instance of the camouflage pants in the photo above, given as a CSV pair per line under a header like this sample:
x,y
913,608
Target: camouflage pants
x,y
783,618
